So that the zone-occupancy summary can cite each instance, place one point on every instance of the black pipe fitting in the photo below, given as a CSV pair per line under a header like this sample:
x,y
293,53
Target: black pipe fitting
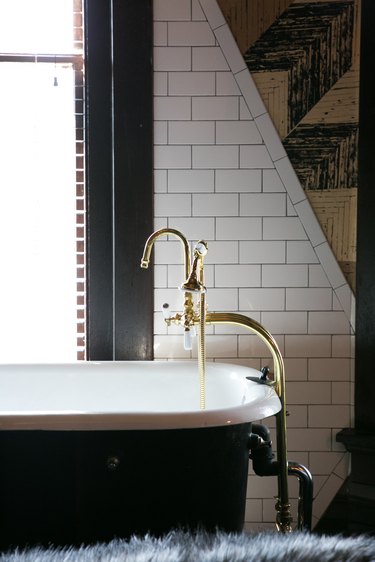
x,y
264,464
260,444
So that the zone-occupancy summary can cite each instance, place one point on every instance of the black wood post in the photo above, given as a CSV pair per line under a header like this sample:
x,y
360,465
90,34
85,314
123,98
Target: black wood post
x,y
353,510
118,90
98,148
365,309
133,173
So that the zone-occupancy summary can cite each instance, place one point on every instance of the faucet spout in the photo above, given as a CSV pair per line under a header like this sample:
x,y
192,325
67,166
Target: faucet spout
x,y
145,261
188,316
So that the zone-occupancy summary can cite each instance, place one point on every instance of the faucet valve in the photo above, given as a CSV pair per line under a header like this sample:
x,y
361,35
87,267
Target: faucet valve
x,y
165,311
168,318
193,283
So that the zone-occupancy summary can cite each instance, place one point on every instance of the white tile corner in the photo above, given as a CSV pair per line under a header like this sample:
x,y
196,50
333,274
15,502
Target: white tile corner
x,y
197,13
270,136
326,494
342,469
289,178
230,49
310,222
213,13
330,265
347,300
250,93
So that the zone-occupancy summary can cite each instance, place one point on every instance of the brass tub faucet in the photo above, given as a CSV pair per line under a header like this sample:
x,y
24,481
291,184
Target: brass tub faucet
x,y
200,317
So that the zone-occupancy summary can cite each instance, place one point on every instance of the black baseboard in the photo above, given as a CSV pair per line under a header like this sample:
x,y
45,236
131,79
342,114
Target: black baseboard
x,y
352,511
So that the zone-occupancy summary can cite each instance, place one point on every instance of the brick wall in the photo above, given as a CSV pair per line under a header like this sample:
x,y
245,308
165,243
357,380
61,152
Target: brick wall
x,y
80,179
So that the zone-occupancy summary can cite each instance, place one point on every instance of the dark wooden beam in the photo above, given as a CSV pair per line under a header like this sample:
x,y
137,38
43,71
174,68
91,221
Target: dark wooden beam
x,y
118,178
133,176
353,509
99,189
365,283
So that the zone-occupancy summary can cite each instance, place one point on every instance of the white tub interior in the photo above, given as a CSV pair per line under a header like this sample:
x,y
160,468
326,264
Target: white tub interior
x,y
130,395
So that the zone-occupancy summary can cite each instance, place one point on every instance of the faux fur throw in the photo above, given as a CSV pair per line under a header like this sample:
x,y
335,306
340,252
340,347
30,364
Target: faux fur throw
x,y
182,547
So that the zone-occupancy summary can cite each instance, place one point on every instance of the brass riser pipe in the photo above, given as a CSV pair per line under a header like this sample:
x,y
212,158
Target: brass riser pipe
x,y
284,517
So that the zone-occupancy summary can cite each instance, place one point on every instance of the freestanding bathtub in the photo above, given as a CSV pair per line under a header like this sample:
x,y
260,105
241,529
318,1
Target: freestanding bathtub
x,y
91,451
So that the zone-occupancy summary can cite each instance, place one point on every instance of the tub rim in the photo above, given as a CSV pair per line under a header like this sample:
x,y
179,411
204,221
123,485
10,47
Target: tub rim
x,y
266,404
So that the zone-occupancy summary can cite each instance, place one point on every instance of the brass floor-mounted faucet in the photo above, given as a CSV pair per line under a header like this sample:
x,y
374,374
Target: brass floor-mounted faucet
x,y
198,316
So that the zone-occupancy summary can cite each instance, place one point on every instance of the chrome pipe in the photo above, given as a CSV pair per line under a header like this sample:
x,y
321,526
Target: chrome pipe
x,y
305,496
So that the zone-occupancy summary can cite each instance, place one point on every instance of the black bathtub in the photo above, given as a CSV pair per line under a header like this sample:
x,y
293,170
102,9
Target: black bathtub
x,y
93,451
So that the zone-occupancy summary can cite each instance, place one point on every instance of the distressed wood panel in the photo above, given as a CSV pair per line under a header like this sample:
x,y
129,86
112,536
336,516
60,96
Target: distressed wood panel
x,y
304,58
336,210
324,156
340,104
273,88
313,43
248,19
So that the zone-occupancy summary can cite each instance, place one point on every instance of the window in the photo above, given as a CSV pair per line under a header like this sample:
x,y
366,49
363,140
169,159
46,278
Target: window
x,y
111,201
41,181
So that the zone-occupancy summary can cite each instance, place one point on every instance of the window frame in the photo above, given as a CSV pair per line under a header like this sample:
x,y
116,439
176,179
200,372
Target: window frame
x,y
119,178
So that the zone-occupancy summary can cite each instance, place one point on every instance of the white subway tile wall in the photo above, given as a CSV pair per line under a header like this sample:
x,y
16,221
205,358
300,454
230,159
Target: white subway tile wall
x,y
191,83
222,174
317,276
208,58
190,33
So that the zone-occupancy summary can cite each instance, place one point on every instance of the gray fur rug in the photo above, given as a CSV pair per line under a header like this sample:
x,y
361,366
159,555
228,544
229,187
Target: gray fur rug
x,y
220,547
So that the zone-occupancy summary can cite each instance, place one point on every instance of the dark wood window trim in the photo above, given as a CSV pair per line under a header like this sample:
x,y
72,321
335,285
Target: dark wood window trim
x,y
365,282
119,148
353,509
